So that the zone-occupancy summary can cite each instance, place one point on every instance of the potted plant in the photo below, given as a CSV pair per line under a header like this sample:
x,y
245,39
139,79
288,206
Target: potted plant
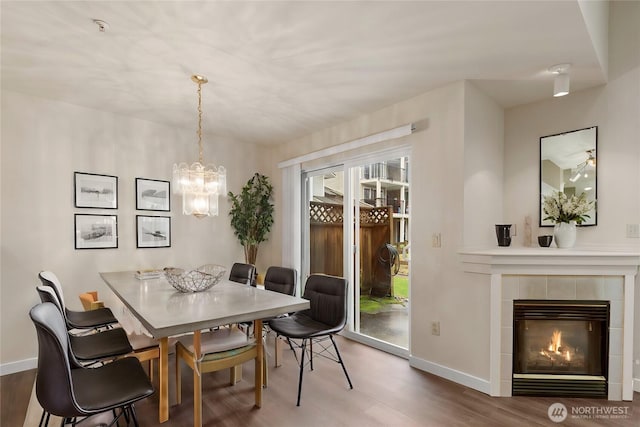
x,y
252,214
566,212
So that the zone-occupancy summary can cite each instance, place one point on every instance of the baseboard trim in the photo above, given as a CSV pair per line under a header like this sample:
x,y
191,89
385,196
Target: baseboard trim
x,y
19,366
636,385
451,374
378,344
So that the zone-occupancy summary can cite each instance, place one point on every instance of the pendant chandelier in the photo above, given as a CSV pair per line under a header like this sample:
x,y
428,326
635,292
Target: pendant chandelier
x,y
198,184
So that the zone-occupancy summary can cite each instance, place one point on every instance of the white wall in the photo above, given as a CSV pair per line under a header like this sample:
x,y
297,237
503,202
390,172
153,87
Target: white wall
x,y
43,143
483,160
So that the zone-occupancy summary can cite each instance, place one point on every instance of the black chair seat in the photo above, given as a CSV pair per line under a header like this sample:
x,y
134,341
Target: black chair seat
x,y
92,347
101,345
77,319
113,385
98,318
299,325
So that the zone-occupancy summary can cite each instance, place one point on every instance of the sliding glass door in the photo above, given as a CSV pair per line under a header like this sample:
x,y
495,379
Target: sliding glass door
x,y
323,238
381,301
356,224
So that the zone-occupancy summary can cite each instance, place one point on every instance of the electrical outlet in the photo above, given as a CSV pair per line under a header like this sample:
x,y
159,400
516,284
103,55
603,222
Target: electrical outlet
x,y
435,328
633,231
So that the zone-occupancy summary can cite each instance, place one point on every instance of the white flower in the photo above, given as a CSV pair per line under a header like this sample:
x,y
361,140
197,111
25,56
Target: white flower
x,y
560,208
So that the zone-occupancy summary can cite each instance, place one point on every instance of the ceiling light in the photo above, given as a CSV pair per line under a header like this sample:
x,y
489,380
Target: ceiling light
x,y
581,167
561,81
198,184
575,177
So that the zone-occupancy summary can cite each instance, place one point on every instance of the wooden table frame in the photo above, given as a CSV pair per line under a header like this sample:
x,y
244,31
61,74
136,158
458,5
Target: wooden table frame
x,y
153,303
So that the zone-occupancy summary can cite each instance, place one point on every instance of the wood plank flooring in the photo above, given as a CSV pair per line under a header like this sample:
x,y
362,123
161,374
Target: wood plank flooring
x,y
387,392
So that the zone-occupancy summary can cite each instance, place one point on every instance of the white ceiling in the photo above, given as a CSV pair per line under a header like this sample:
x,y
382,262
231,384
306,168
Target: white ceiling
x,y
281,70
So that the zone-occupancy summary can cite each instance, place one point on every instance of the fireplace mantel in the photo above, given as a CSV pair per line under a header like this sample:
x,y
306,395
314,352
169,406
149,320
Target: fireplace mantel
x,y
508,261
551,261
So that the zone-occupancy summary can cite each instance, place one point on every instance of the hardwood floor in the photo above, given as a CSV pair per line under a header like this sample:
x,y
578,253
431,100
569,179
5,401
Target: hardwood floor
x,y
387,392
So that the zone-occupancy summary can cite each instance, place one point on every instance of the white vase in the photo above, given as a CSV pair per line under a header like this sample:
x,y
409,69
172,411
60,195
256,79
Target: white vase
x,y
564,234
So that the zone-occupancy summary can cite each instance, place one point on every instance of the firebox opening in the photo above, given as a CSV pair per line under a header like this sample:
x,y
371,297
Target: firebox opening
x,y
560,348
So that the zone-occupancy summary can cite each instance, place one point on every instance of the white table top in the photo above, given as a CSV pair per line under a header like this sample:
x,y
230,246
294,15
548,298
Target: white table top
x,y
165,312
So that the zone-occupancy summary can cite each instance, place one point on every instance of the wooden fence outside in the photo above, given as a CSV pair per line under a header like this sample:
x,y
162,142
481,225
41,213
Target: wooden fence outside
x,y
326,243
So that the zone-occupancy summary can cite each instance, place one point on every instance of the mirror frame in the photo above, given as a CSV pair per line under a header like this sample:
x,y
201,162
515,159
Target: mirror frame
x,y
540,182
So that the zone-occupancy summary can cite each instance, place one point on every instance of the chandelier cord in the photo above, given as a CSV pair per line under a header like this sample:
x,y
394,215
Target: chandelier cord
x,y
201,157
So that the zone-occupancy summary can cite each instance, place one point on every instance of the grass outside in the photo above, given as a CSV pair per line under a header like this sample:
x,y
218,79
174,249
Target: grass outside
x,y
372,305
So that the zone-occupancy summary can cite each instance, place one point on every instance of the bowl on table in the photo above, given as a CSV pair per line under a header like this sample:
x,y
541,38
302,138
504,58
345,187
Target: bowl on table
x,y
196,280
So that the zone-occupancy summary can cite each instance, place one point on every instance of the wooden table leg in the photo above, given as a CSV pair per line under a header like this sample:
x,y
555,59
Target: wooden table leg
x,y
257,331
278,351
163,373
197,381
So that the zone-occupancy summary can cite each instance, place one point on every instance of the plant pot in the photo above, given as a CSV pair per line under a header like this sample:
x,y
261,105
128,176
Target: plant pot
x,y
564,234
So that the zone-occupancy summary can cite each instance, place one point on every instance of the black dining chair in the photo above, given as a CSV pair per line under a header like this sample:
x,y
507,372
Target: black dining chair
x,y
68,390
243,273
326,316
94,319
280,279
94,347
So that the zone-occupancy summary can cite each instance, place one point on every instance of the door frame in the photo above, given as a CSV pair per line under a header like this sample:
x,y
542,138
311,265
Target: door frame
x,y
351,235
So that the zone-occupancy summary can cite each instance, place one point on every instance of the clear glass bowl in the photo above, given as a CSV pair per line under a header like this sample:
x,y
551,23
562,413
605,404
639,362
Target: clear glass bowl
x,y
196,280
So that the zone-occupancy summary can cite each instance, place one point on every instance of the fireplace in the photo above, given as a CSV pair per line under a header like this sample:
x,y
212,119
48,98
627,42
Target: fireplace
x,y
560,348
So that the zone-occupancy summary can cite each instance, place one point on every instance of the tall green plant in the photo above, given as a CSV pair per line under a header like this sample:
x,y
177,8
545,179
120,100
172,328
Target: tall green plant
x,y
252,214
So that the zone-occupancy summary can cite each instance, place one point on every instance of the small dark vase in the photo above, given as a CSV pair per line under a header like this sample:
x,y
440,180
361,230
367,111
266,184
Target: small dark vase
x,y
503,233
545,241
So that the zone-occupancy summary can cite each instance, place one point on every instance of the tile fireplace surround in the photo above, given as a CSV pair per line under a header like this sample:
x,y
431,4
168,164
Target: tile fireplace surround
x,y
550,273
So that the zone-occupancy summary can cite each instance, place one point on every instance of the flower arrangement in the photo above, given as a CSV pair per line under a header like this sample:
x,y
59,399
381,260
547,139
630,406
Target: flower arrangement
x,y
560,208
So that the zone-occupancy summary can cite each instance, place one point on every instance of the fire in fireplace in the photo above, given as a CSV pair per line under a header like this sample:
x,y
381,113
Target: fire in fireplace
x,y
560,348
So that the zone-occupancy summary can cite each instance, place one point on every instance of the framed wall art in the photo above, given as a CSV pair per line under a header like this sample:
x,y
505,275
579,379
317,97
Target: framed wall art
x,y
96,231
153,231
95,191
153,195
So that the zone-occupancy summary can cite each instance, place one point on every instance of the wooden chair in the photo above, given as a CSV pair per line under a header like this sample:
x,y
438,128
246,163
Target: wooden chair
x,y
224,348
90,300
145,348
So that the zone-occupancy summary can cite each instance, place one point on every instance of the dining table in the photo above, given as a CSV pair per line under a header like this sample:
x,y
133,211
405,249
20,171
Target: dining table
x,y
165,312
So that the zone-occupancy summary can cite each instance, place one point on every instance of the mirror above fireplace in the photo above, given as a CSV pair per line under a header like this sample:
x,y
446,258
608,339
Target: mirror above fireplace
x,y
568,163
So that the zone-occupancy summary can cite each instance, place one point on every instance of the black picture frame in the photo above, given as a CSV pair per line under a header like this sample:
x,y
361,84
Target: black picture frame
x,y
95,191
153,231
153,195
94,231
